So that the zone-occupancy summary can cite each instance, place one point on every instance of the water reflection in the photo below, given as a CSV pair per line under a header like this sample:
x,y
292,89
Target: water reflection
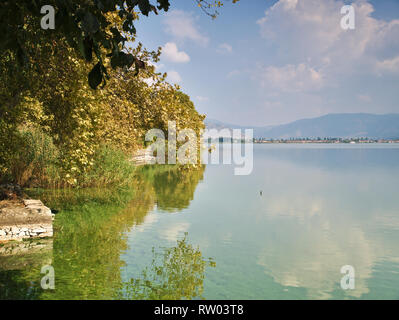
x,y
327,218
321,208
174,189
175,273
20,263
90,235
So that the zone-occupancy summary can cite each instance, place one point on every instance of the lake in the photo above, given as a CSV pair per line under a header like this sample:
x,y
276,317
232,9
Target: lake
x,y
282,232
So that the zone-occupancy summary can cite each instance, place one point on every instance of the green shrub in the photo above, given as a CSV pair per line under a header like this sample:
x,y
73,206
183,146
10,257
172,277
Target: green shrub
x,y
111,168
34,161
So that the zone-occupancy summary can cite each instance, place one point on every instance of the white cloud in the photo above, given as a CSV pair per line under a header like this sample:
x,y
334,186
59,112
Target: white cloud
x,y
224,48
202,99
309,31
308,25
149,220
173,232
291,78
174,76
157,66
388,66
171,53
182,26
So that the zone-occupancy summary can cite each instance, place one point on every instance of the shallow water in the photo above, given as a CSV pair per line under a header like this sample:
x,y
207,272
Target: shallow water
x,y
212,234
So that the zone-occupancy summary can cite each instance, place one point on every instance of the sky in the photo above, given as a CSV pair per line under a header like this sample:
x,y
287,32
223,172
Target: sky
x,y
268,62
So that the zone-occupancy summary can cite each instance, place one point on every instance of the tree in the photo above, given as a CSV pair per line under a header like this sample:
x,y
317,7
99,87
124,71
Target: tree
x,y
79,120
43,81
84,25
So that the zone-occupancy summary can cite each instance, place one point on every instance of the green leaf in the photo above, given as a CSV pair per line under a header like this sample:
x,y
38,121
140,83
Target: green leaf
x,y
145,7
88,49
139,64
90,23
129,27
95,76
122,59
163,4
114,61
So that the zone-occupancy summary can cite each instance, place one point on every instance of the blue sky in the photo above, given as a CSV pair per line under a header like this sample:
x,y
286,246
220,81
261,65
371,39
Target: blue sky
x,y
267,62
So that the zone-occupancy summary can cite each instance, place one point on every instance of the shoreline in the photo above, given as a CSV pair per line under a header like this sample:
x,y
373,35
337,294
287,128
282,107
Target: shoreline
x,y
24,219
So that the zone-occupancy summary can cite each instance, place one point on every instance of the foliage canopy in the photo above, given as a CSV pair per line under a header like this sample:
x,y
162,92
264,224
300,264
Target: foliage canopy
x,y
45,98
85,26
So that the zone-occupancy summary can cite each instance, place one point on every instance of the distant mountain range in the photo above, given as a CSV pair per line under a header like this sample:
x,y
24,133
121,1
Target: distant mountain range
x,y
338,125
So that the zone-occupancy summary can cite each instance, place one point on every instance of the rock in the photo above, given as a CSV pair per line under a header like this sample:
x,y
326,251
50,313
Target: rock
x,y
29,202
36,206
15,213
40,209
21,219
14,230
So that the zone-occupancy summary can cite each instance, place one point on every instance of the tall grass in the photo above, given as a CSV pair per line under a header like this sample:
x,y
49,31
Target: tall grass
x,y
111,168
34,160
35,163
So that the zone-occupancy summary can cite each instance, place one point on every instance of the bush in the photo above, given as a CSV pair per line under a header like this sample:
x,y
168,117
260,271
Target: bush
x,y
36,163
111,168
34,160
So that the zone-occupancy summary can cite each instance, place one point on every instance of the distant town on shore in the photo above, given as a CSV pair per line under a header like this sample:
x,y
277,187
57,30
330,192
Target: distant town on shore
x,y
326,140
304,140
330,128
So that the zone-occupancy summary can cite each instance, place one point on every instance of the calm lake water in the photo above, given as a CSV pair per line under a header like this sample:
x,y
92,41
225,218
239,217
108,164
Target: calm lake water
x,y
211,234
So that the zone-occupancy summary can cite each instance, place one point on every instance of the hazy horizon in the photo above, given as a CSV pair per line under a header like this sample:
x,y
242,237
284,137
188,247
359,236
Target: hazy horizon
x,y
283,123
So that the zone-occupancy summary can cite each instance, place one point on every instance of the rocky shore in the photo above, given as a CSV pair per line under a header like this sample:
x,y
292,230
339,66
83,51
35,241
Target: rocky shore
x,y
23,219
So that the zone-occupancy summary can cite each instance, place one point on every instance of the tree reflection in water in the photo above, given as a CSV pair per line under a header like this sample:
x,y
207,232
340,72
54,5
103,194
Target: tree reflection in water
x,y
174,187
90,235
176,273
